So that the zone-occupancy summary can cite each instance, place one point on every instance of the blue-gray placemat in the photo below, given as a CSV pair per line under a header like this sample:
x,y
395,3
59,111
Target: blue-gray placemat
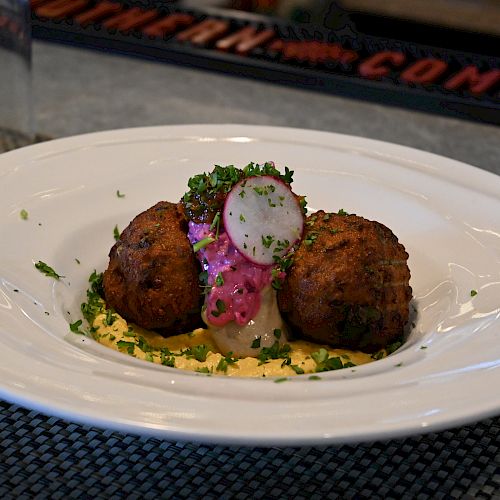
x,y
42,456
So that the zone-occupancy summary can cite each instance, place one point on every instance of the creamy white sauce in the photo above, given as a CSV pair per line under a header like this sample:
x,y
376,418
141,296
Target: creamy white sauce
x,y
267,325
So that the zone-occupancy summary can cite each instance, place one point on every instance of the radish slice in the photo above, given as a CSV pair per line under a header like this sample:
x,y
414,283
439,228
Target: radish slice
x,y
262,218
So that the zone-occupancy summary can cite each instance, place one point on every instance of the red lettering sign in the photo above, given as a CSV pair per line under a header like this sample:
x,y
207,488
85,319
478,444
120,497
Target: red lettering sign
x,y
132,18
476,82
245,40
424,71
379,65
98,12
168,25
204,32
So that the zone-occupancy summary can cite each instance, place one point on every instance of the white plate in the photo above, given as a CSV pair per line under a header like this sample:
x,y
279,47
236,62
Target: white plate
x,y
444,212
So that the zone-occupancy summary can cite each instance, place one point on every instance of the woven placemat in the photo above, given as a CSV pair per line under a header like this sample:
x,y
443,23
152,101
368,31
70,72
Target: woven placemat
x,y
43,456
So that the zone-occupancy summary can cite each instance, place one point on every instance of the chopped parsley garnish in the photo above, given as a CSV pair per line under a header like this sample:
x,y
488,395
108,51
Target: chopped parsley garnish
x,y
473,293
221,308
75,327
281,245
219,280
77,261
203,277
129,346
310,239
256,343
314,377
303,204
216,225
276,351
203,369
326,363
110,318
202,244
23,214
119,195
297,369
393,347
94,304
166,358
276,282
225,362
242,218
277,333
116,233
143,345
198,352
282,264
281,379
47,270
267,241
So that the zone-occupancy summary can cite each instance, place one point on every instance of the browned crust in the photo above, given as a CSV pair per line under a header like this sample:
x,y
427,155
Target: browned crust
x,y
349,284
152,278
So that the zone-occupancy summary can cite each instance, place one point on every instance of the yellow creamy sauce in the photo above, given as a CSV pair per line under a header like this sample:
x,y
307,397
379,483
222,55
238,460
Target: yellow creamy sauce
x,y
148,345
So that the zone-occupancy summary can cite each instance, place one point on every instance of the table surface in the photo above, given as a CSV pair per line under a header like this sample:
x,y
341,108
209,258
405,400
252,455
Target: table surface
x,y
78,91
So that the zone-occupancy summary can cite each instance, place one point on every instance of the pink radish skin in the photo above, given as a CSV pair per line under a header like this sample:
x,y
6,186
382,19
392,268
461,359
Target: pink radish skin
x,y
262,218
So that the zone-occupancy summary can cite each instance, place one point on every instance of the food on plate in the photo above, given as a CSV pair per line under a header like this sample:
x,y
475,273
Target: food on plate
x,y
279,294
348,285
152,277
196,351
240,223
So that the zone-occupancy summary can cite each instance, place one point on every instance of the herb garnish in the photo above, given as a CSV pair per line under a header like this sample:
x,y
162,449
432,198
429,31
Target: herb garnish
x,y
198,352
129,346
267,241
219,280
256,343
221,308
94,304
116,233
276,351
119,195
225,362
47,270
75,327
326,363
216,225
310,239
202,244
473,293
23,214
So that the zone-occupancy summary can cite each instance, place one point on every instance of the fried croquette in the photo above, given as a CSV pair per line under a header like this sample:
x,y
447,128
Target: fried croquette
x,y
152,277
348,285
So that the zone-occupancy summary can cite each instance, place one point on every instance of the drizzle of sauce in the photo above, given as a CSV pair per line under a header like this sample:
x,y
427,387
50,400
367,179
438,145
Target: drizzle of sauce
x,y
240,305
